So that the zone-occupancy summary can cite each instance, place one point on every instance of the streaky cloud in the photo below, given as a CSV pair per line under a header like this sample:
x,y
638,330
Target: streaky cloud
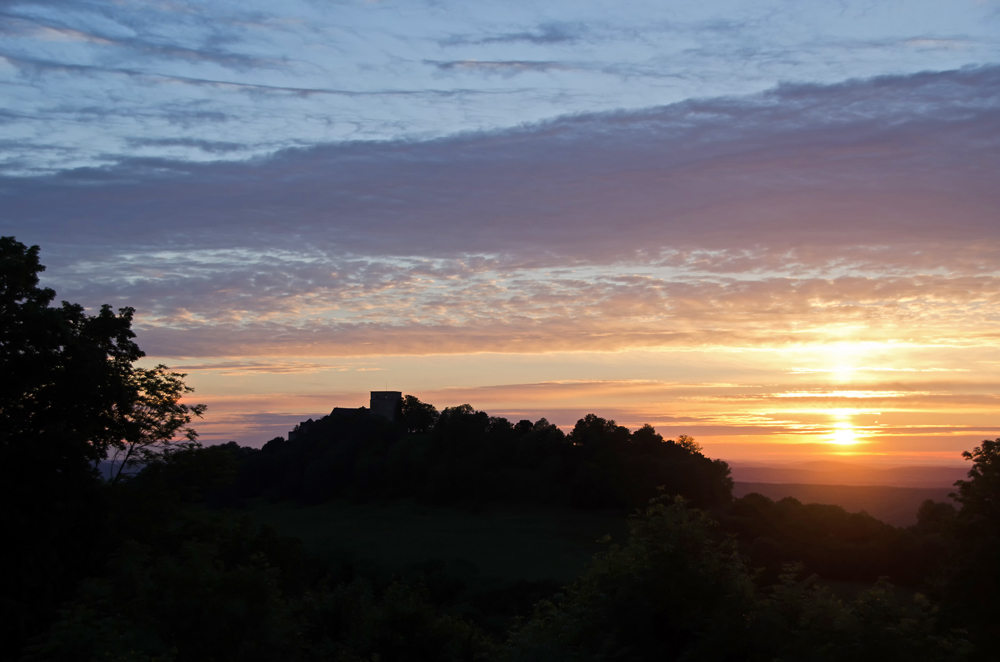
x,y
500,67
37,66
892,161
548,33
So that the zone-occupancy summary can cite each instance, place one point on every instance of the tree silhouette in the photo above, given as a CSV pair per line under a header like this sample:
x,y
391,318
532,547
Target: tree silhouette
x,y
69,394
973,591
152,421
677,590
418,417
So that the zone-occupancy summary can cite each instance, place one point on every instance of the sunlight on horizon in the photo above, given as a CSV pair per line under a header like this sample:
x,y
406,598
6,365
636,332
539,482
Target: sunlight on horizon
x,y
780,405
846,357
844,435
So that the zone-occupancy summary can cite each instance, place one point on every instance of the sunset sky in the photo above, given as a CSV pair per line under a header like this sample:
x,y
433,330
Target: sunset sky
x,y
771,225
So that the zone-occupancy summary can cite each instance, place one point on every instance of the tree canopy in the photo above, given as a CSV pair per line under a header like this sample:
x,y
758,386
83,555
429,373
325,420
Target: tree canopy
x,y
70,395
972,587
466,455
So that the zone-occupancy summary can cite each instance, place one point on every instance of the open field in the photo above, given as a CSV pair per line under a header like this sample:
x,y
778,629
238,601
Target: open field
x,y
893,505
508,542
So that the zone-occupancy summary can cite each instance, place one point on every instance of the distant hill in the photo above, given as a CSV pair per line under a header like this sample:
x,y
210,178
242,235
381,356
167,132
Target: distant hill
x,y
893,505
829,472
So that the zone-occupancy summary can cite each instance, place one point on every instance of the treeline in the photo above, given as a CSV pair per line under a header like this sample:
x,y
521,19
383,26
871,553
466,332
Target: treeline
x,y
464,455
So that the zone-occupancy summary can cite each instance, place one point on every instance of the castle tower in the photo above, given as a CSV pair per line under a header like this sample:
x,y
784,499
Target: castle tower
x,y
386,403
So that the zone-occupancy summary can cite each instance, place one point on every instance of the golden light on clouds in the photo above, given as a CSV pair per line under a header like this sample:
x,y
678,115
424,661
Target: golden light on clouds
x,y
892,368
738,269
907,405
845,394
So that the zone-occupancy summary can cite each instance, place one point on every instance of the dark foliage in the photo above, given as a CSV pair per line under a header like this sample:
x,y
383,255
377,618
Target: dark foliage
x,y
972,582
189,584
417,417
680,591
192,585
831,542
469,456
65,381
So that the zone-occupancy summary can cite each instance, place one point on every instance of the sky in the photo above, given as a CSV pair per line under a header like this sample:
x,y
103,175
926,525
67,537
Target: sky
x,y
773,226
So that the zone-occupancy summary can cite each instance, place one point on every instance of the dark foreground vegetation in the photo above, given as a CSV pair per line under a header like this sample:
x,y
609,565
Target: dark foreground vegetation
x,y
164,564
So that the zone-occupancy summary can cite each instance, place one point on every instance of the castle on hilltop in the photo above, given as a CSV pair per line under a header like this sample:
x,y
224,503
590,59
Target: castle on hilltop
x,y
387,403
383,403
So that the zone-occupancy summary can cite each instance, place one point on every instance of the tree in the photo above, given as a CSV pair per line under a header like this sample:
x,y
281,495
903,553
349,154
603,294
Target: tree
x,y
155,417
688,443
973,587
418,417
66,374
980,495
678,590
70,393
64,381
596,432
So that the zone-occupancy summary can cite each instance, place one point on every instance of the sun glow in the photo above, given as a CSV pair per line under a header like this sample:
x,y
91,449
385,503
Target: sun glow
x,y
843,435
843,432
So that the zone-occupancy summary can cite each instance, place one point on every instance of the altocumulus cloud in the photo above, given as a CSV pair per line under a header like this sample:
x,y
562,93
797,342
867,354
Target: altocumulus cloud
x,y
870,201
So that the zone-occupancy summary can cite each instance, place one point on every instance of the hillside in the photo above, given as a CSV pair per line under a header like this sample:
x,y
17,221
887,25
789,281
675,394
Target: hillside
x,y
893,505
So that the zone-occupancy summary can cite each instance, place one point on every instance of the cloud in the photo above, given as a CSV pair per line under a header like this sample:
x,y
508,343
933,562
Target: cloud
x,y
501,67
268,368
893,418
133,35
39,66
936,43
210,146
338,71
775,219
672,408
835,242
251,429
545,34
887,162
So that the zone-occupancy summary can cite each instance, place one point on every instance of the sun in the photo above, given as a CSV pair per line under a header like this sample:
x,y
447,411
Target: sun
x,y
843,435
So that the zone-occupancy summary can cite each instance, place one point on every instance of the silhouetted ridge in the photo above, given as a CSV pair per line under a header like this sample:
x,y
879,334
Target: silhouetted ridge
x,y
465,455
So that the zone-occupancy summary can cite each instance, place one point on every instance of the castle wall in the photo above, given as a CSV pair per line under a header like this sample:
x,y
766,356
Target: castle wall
x,y
386,403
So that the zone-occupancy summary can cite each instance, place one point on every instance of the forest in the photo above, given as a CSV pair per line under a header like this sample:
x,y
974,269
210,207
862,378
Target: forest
x,y
163,559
